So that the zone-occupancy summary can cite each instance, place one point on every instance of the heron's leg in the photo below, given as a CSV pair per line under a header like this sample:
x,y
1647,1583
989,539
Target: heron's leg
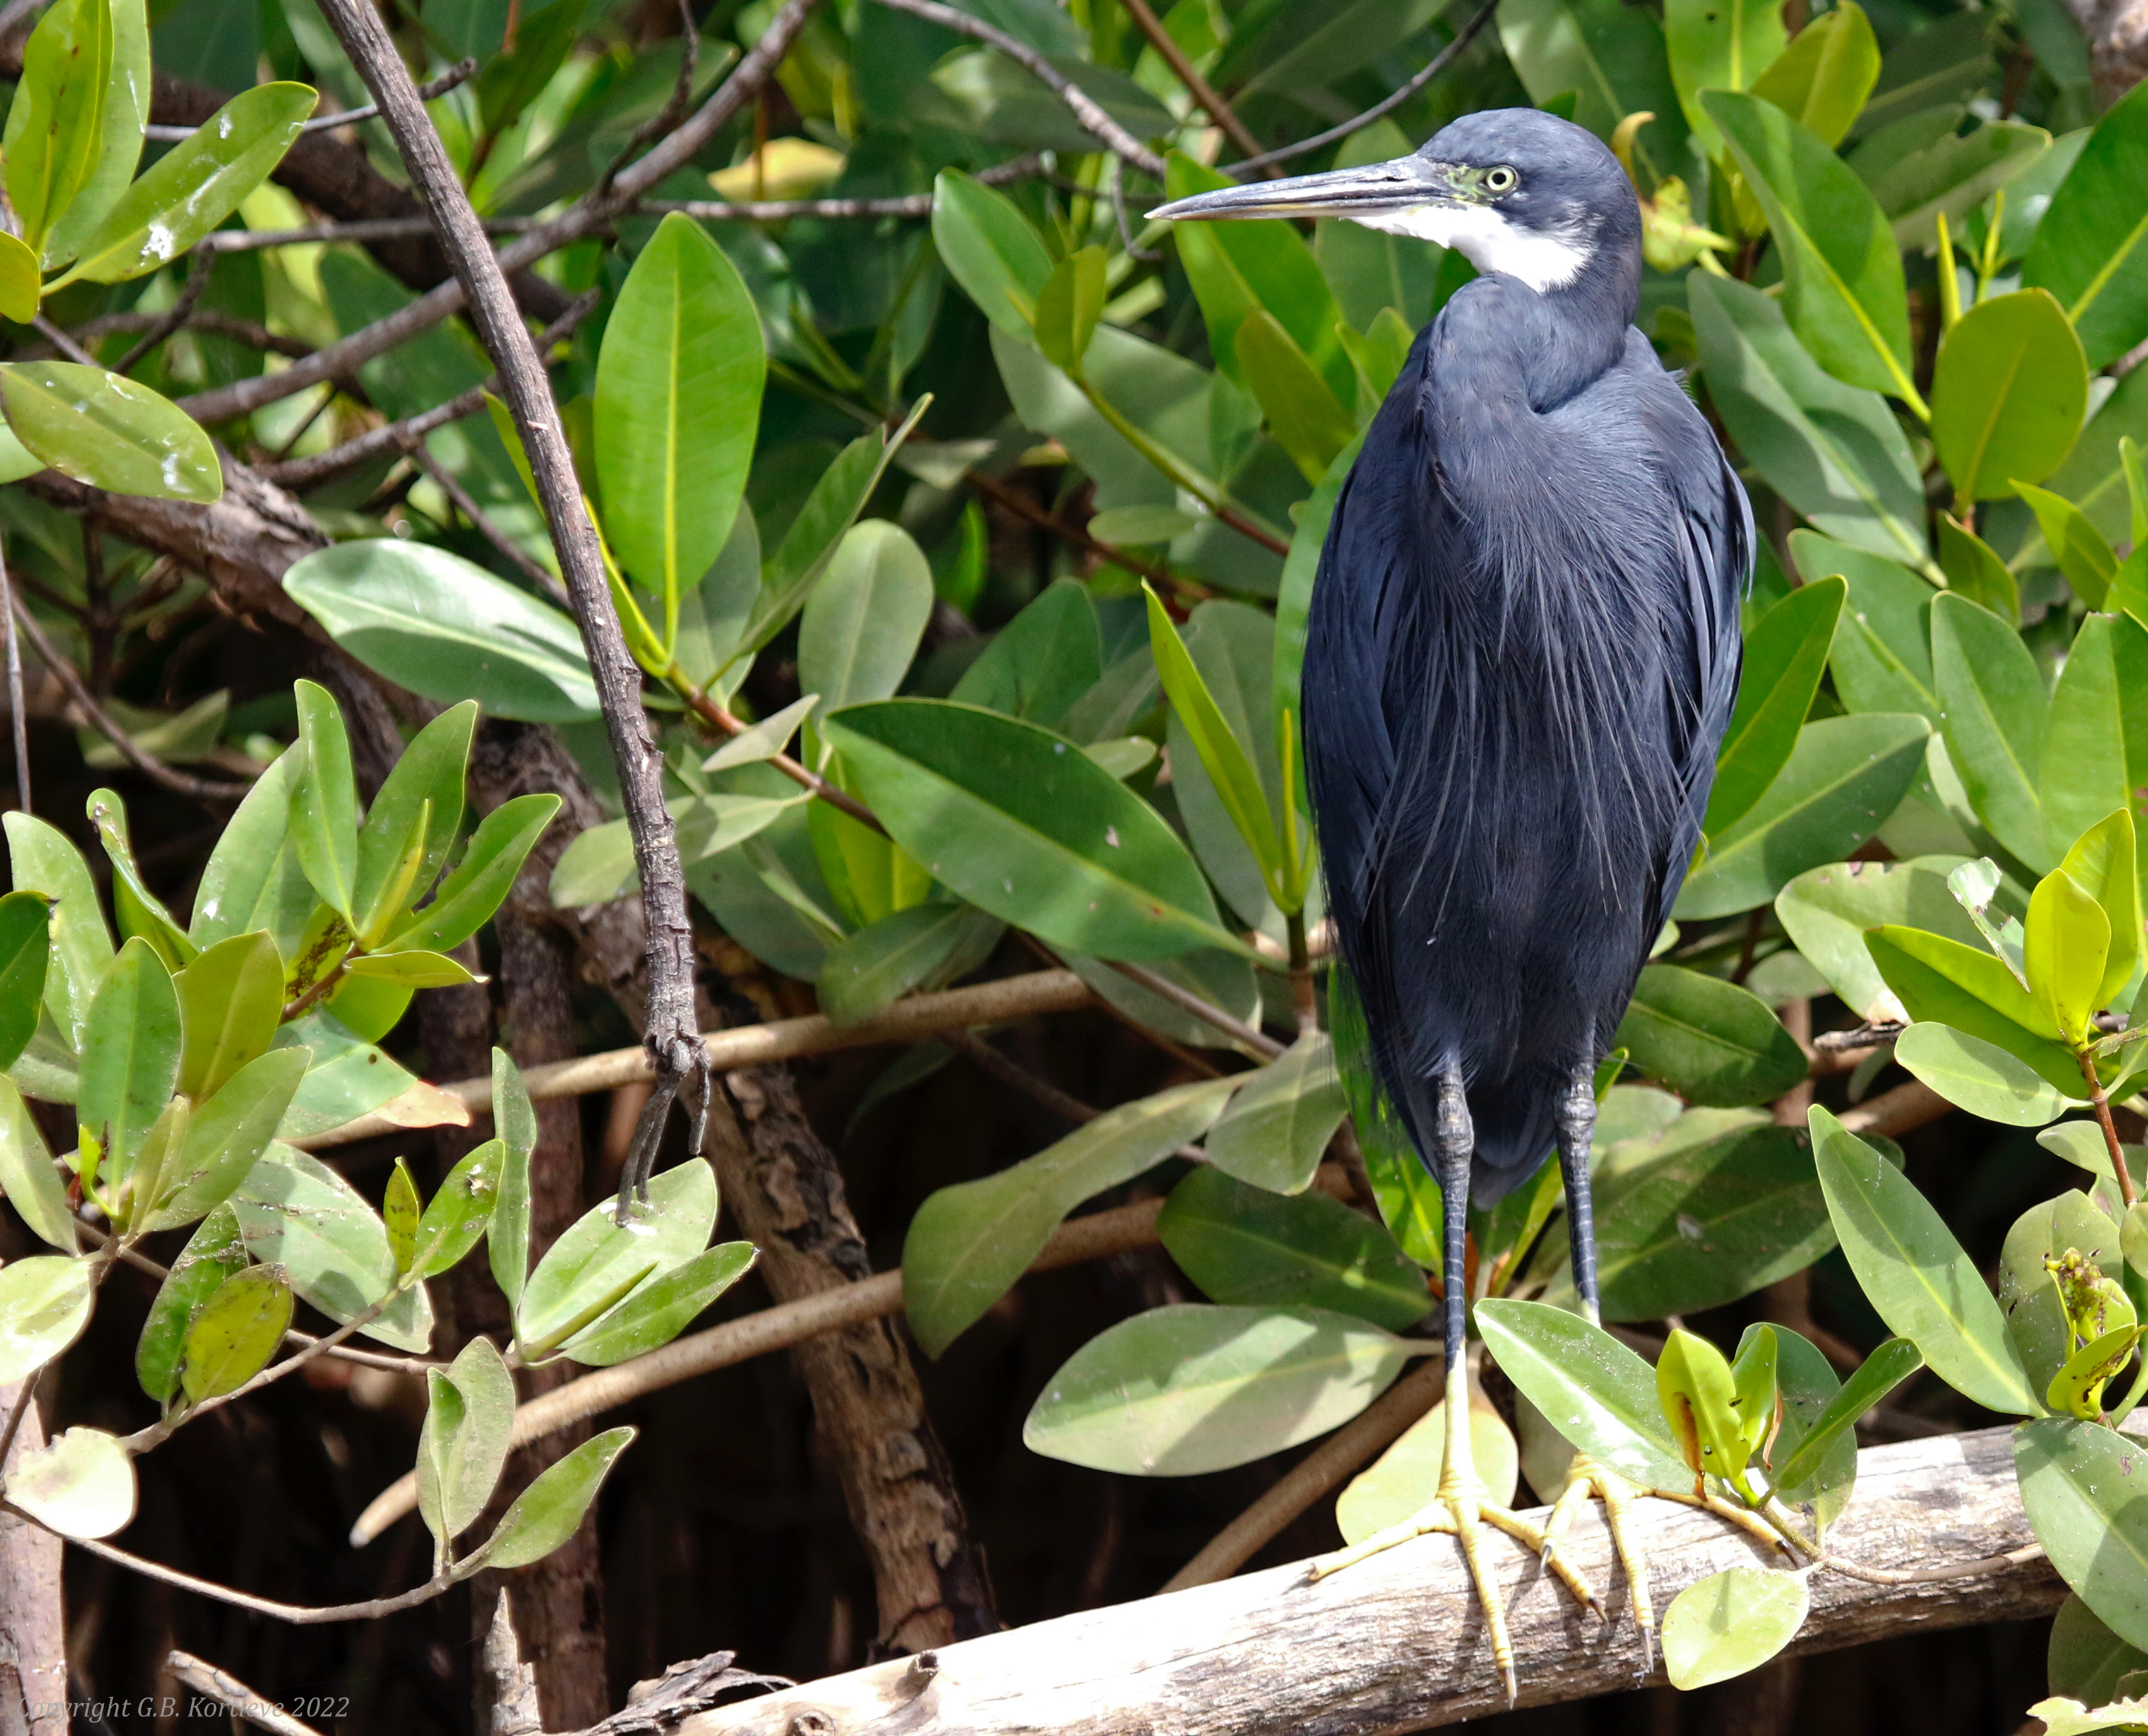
x,y
1458,1506
1577,1130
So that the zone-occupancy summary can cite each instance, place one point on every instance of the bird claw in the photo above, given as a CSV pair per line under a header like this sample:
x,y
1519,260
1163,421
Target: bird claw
x,y
1587,1479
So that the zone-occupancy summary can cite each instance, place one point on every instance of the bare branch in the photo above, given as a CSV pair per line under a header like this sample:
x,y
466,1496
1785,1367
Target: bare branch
x,y
440,86
234,1696
468,508
197,275
1088,114
359,229
1196,86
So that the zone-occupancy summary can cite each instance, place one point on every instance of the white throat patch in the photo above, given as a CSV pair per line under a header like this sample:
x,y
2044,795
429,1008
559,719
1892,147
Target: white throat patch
x,y
1490,243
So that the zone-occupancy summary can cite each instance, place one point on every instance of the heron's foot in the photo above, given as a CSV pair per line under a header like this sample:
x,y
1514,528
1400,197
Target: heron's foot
x,y
1463,1513
1586,1479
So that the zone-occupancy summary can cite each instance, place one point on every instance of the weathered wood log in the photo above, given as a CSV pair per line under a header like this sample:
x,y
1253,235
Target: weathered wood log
x,y
1398,1643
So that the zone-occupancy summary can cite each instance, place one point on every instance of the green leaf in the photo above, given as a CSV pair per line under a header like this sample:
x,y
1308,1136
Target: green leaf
x,y
349,1077
445,628
1281,1118
1885,1369
1243,1245
195,185
26,1176
1882,658
55,123
678,403
2092,246
24,945
140,911
1596,1392
469,896
1294,591
324,800
231,1001
1308,420
766,739
413,970
507,1236
1993,701
2085,1658
1842,270
2066,942
1019,821
1935,978
459,1212
1699,1401
40,859
1731,1622
1710,1040
2009,392
2080,548
1826,913
863,622
428,780
1720,47
967,1244
1978,1076
926,946
1611,59
1975,571
45,1301
235,1333
297,1212
1186,1389
1785,655
253,880
1042,661
592,1266
130,1055
109,432
214,1253
550,1511
1831,450
2096,755
1949,177
118,146
226,1136
462,1447
81,1485
990,248
1824,76
1068,307
660,1308
1404,1480
1223,757
19,295
2077,1484
2104,863
1914,1273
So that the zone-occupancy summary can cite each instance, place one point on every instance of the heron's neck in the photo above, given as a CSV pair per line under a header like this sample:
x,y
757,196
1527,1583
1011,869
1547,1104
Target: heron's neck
x,y
1549,342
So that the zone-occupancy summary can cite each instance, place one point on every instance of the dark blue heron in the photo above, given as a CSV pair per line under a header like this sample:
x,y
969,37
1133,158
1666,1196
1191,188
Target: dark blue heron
x,y
1522,654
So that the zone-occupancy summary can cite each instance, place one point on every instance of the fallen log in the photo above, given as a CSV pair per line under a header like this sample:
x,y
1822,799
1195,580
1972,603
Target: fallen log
x,y
1397,1643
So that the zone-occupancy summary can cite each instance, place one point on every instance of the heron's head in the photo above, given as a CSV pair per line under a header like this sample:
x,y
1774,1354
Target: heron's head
x,y
1516,190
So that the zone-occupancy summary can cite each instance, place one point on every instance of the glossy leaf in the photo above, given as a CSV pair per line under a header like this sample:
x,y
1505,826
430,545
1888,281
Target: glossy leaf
x,y
2091,248
1966,987
460,1211
1785,655
1994,707
108,432
140,912
2075,543
1185,1389
2009,392
967,1244
1022,823
926,946
1597,1393
1914,1273
252,880
462,1447
1833,451
445,628
2096,757
550,1511
1827,912
130,1055
45,1301
1223,756
2067,940
1710,1040
226,1136
1068,307
231,1001
1719,46
2077,1483
25,943
119,148
235,1333
507,1236
297,1212
19,291
469,896
214,1253
1973,570
1731,1622
2085,1658
428,776
1404,1480
593,1265
1885,1369
26,1176
81,1485
1824,75
324,800
657,1310
1042,661
862,623
990,248
195,185
40,859
678,403
1842,270
55,125
1303,414
1949,177
1281,1118
1978,1076
1244,1245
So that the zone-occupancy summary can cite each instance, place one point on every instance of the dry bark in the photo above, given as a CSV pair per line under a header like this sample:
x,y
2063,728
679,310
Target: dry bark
x,y
1398,1643
33,1671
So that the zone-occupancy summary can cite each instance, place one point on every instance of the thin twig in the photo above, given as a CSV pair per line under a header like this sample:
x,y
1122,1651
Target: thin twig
x,y
1184,71
1356,124
213,321
401,439
468,508
1019,504
538,240
674,110
300,1615
63,343
1238,1030
1088,114
909,204
18,713
198,268
234,1695
440,86
178,782
804,776
358,229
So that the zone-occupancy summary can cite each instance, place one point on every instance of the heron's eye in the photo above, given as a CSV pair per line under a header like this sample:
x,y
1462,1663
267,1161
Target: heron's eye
x,y
1502,179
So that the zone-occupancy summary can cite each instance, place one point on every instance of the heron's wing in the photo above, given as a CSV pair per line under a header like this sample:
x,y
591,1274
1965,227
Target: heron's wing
x,y
1715,547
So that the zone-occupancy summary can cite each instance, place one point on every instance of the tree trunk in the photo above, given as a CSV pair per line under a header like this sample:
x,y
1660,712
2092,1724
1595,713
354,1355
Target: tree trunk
x,y
33,1671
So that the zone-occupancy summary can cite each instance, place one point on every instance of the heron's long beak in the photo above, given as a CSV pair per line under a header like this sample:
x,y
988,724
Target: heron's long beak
x,y
1401,185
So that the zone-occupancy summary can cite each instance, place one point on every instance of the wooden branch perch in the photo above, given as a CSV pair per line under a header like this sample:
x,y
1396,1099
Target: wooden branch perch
x,y
1398,1643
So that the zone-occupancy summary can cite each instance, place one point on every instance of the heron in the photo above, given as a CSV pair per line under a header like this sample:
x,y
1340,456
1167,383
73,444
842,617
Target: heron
x,y
1522,655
